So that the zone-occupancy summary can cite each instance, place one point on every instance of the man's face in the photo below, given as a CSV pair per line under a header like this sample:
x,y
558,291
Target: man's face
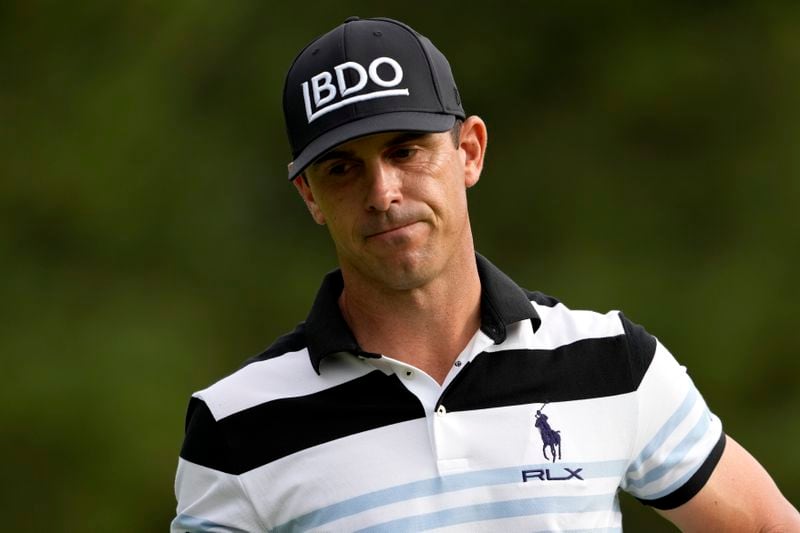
x,y
395,204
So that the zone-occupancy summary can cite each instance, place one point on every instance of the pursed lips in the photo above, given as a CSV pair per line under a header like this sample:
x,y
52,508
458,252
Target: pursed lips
x,y
378,224
375,232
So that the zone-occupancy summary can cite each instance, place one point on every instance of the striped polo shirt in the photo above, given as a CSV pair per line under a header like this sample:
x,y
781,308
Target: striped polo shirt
x,y
546,414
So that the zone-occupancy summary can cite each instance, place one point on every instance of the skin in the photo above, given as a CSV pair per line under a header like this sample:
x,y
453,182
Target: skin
x,y
395,205
739,496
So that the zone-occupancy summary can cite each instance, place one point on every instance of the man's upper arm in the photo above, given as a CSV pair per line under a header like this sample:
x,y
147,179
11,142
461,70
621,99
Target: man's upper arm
x,y
684,465
739,496
678,439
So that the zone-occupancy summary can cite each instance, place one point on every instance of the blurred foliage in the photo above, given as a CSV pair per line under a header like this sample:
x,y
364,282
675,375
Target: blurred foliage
x,y
642,157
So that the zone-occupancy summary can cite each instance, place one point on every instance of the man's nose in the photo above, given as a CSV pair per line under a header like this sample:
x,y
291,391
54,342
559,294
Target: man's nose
x,y
384,186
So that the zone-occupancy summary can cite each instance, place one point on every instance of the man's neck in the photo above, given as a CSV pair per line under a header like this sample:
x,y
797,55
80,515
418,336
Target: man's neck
x,y
426,327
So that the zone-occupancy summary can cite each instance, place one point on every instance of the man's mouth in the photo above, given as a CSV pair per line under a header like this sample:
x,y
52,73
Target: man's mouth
x,y
378,232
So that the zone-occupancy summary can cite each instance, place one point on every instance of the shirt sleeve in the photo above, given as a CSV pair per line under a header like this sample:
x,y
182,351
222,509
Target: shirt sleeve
x,y
678,440
210,495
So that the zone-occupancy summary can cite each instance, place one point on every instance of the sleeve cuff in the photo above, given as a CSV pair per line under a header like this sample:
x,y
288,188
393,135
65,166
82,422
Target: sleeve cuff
x,y
695,483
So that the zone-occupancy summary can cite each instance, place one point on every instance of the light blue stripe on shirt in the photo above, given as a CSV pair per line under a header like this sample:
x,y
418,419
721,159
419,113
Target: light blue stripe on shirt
x,y
495,511
677,455
192,524
679,482
438,485
658,440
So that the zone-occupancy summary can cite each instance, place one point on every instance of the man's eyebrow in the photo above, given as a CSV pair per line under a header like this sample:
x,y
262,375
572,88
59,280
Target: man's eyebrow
x,y
398,139
405,137
333,154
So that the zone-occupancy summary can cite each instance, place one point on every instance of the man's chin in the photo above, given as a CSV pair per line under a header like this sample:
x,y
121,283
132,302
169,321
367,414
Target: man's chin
x,y
403,271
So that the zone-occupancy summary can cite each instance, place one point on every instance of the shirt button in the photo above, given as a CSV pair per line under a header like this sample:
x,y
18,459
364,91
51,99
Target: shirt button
x,y
458,363
409,374
441,411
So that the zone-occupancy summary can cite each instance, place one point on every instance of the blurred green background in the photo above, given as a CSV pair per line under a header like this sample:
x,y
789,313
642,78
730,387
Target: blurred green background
x,y
642,156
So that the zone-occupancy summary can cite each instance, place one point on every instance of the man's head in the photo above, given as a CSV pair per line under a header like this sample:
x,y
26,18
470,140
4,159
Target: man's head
x,y
385,152
365,77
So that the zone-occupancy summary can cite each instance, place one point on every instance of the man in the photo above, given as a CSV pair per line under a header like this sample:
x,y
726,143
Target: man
x,y
426,389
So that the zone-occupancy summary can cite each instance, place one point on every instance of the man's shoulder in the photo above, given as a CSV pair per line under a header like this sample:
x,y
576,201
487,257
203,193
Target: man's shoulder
x,y
560,321
556,314
263,377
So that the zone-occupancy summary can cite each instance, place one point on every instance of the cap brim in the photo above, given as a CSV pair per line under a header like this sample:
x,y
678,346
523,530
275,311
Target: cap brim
x,y
397,121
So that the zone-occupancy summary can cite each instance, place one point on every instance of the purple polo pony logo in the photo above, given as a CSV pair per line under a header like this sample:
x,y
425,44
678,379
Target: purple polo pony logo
x,y
550,437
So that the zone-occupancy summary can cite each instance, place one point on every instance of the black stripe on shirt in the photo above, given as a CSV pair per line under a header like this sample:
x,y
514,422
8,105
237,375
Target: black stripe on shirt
x,y
269,431
589,368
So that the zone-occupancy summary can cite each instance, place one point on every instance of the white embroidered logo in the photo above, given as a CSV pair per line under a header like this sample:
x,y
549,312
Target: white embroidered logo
x,y
325,92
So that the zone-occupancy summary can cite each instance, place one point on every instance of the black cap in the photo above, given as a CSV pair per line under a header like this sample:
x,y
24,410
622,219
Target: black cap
x,y
365,76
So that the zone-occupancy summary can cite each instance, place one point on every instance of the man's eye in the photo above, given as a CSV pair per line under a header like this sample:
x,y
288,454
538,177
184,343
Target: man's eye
x,y
403,153
339,169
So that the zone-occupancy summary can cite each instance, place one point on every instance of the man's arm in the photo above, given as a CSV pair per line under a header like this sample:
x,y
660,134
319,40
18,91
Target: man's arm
x,y
739,496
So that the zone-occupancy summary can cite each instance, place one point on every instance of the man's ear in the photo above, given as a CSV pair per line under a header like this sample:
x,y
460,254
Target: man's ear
x,y
472,143
301,183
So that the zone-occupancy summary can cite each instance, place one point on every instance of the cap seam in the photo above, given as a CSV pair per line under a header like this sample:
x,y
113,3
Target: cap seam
x,y
434,75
